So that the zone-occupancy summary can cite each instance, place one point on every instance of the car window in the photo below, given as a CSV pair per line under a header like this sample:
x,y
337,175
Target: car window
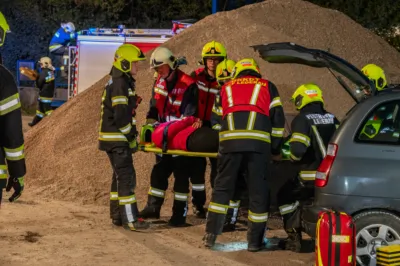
x,y
382,125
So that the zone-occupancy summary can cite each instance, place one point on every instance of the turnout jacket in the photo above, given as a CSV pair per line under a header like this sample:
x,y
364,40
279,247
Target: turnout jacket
x,y
312,130
252,116
61,38
46,84
12,158
173,97
118,112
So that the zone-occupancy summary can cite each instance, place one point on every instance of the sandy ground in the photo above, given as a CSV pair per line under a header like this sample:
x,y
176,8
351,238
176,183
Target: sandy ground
x,y
35,231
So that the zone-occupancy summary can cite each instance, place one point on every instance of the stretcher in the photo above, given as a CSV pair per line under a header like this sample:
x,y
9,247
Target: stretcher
x,y
150,147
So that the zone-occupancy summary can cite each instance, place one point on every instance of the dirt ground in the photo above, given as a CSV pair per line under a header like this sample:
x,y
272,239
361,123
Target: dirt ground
x,y
37,231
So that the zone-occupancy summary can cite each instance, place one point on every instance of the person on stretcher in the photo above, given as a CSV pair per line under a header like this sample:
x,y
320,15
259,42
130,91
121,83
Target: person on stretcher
x,y
186,135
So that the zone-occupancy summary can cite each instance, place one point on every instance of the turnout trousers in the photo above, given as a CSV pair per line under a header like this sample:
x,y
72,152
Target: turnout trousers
x,y
123,204
162,170
44,109
229,168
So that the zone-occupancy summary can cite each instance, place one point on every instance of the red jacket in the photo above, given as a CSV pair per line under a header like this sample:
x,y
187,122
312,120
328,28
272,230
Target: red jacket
x,y
207,92
177,133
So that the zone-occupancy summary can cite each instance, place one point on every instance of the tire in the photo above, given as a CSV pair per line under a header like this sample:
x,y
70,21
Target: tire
x,y
370,233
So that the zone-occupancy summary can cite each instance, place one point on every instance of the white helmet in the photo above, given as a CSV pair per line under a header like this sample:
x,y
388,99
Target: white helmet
x,y
162,56
69,27
45,62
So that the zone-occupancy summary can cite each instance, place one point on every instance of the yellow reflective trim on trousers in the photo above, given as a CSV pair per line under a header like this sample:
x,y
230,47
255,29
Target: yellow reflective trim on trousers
x,y
251,120
103,136
275,102
45,99
113,195
228,90
126,129
216,127
156,192
119,100
288,208
294,158
231,122
217,110
298,137
258,217
127,200
307,175
49,112
10,104
181,196
234,204
15,154
277,132
218,208
244,134
3,172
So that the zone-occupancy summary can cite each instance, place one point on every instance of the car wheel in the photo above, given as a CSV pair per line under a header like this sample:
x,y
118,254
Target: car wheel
x,y
375,229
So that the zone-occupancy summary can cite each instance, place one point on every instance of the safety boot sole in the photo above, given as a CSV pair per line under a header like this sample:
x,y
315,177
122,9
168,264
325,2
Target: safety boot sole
x,y
209,240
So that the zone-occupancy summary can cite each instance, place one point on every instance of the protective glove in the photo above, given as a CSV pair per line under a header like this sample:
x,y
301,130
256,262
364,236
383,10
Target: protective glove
x,y
133,145
150,121
18,185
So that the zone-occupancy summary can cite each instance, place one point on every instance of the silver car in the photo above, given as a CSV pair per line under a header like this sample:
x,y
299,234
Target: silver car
x,y
360,174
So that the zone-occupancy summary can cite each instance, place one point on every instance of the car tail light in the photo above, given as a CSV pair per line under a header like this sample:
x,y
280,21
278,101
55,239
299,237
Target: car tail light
x,y
322,175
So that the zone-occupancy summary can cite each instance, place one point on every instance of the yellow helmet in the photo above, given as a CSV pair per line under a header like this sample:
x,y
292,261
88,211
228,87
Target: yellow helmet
x,y
4,28
376,74
245,64
125,55
163,56
305,94
224,69
213,49
45,62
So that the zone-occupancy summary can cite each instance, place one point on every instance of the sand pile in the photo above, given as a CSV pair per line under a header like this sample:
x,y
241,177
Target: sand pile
x,y
62,156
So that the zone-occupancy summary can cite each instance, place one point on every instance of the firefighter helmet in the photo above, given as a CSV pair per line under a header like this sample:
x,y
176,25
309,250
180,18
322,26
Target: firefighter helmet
x,y
376,74
306,94
213,49
162,56
4,28
45,62
68,27
224,69
245,64
125,55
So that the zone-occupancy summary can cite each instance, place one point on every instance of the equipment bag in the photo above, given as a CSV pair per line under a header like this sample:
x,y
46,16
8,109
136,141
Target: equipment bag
x,y
336,239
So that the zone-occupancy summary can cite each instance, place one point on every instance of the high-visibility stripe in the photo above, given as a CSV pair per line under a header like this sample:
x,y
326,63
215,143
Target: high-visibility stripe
x,y
112,136
198,187
119,100
10,104
307,175
54,47
39,114
320,142
244,134
216,127
131,93
275,102
294,158
113,195
3,172
127,200
228,90
234,204
126,129
161,91
217,110
218,208
288,208
277,132
251,120
156,192
209,90
176,102
257,217
133,121
181,196
254,95
231,123
15,154
298,137
49,112
45,99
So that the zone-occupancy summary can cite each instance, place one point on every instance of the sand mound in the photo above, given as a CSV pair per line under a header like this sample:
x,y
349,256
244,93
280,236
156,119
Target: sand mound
x,y
62,156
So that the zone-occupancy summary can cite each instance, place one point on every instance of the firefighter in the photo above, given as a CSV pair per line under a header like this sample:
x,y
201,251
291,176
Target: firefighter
x,y
251,130
212,54
174,96
311,129
12,159
118,135
59,43
45,83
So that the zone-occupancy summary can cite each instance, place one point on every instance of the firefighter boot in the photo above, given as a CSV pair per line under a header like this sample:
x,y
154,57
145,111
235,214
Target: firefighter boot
x,y
115,215
200,212
153,208
129,217
255,236
35,120
293,241
209,240
179,212
214,226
